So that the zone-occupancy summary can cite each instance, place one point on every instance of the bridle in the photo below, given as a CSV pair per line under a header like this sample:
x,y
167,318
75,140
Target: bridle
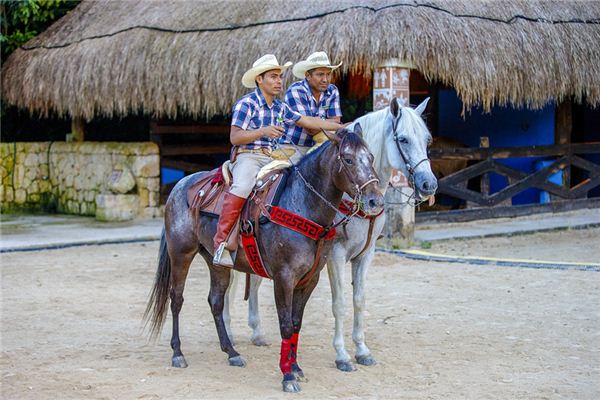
x,y
346,169
411,170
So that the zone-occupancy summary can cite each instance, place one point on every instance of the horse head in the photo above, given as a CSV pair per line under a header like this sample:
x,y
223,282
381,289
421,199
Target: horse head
x,y
407,138
354,172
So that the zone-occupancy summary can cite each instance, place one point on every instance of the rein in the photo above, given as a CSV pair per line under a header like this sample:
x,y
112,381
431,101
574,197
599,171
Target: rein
x,y
359,188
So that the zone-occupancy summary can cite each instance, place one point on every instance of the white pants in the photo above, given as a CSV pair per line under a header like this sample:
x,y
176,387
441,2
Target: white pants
x,y
244,171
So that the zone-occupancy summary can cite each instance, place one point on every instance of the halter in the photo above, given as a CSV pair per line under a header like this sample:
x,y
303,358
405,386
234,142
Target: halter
x,y
411,170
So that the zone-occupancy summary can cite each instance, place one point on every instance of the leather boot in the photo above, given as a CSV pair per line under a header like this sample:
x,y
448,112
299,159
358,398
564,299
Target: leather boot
x,y
232,207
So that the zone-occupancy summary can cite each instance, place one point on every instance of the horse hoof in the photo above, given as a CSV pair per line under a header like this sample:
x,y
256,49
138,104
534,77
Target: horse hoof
x,y
345,366
237,361
179,362
298,373
366,360
259,341
290,384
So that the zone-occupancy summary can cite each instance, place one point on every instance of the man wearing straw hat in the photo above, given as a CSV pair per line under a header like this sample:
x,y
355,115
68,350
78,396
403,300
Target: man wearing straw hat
x,y
313,96
257,123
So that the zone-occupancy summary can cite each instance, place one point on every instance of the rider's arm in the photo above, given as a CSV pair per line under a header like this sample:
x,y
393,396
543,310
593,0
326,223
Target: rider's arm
x,y
239,136
307,122
239,133
315,123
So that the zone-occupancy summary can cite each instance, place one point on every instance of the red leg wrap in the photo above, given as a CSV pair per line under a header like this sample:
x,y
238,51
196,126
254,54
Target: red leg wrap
x,y
294,341
287,356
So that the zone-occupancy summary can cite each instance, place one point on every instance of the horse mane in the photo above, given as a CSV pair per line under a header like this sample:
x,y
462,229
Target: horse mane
x,y
350,138
372,133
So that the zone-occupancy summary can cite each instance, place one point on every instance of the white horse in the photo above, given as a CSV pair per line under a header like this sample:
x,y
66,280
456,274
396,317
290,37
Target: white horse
x,y
398,138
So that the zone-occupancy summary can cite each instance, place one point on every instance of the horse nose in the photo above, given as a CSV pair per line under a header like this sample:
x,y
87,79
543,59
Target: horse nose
x,y
428,187
375,205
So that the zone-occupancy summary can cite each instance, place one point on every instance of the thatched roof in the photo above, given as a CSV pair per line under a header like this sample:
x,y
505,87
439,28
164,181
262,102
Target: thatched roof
x,y
170,58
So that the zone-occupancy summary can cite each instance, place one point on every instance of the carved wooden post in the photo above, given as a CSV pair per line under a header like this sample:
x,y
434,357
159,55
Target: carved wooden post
x,y
392,79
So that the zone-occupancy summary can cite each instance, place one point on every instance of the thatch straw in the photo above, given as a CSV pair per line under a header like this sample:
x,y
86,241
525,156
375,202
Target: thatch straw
x,y
169,58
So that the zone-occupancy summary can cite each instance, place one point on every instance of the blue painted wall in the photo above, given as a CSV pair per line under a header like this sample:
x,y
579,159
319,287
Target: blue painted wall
x,y
505,127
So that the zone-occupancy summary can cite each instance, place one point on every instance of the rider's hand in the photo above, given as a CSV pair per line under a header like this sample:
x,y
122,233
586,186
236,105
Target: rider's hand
x,y
272,131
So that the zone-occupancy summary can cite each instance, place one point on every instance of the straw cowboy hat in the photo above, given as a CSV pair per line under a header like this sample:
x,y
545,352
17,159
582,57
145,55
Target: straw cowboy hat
x,y
263,64
315,60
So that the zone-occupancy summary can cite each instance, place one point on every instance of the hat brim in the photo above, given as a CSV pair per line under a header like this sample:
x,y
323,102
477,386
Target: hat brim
x,y
301,67
249,77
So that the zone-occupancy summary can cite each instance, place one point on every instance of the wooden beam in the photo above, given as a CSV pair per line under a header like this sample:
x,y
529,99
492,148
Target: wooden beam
x,y
185,165
189,149
505,212
510,152
563,122
77,129
190,129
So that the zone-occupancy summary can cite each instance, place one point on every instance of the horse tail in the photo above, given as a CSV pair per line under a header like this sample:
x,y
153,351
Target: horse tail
x,y
156,309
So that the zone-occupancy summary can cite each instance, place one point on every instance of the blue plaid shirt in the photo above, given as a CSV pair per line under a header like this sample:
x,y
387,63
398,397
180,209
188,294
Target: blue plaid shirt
x,y
300,99
252,112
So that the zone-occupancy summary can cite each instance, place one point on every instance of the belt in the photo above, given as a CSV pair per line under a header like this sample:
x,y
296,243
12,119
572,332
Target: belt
x,y
262,150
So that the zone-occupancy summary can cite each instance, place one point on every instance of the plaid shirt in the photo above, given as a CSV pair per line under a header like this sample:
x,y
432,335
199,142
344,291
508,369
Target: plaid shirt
x,y
252,112
300,99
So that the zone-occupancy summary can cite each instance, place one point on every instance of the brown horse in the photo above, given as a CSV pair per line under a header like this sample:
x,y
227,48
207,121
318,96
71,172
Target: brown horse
x,y
313,191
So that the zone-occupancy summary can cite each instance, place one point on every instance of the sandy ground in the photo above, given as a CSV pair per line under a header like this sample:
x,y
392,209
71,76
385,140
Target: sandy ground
x,y
571,245
71,330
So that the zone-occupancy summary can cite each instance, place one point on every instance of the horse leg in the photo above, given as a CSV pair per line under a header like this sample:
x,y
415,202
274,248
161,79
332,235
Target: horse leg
x,y
301,296
180,265
360,267
219,281
258,336
335,269
284,297
228,301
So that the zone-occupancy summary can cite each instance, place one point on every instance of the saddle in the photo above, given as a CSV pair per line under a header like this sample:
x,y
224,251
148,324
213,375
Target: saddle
x,y
205,197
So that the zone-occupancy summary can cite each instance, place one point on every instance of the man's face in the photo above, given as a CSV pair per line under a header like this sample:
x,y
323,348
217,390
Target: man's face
x,y
319,79
270,82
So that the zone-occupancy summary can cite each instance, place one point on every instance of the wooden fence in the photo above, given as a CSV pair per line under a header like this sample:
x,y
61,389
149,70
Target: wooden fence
x,y
579,173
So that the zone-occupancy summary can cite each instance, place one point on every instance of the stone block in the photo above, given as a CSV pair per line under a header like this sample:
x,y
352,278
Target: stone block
x,y
146,166
9,195
116,207
31,160
33,198
152,212
153,199
20,196
121,180
153,184
144,197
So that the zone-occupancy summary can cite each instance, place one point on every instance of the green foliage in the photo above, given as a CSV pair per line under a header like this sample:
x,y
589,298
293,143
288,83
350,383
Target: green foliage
x,y
425,244
21,20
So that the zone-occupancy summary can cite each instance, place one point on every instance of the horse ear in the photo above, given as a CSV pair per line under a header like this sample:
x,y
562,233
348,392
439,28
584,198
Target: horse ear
x,y
421,107
394,107
331,136
358,129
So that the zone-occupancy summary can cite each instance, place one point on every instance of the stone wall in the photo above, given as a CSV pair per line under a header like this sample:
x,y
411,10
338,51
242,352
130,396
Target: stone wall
x,y
66,177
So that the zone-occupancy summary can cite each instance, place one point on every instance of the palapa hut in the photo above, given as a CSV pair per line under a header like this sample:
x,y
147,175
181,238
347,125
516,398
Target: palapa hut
x,y
185,59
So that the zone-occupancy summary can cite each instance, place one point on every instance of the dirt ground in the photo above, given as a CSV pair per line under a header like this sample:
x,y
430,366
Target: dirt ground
x,y
71,329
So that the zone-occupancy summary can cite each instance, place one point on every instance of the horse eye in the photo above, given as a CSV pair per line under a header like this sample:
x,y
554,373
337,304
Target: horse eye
x,y
348,161
403,140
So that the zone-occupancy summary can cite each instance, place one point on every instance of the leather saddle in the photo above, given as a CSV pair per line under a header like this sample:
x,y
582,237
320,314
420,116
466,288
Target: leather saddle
x,y
205,197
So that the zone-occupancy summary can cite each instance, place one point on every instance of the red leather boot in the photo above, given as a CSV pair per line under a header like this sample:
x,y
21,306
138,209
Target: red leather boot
x,y
232,207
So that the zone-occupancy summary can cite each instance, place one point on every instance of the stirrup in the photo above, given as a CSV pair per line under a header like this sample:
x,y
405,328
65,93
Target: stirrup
x,y
222,256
